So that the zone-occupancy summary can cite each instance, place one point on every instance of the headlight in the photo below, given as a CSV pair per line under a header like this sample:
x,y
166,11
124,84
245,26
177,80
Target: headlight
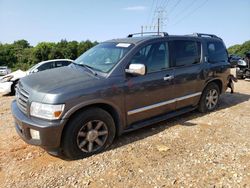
x,y
46,111
242,63
6,78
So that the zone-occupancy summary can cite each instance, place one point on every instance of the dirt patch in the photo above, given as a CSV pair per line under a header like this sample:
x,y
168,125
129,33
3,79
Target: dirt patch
x,y
192,150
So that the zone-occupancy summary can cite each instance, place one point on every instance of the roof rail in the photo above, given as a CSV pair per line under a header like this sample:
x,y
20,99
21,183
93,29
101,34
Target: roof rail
x,y
205,35
163,34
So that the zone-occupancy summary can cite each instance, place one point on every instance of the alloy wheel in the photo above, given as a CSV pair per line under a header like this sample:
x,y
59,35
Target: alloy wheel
x,y
92,136
212,99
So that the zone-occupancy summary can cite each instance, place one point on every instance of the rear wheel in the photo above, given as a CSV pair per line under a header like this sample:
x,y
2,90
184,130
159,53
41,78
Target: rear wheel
x,y
209,98
90,132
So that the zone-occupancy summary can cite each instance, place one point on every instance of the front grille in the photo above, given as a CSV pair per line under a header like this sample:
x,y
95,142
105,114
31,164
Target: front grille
x,y
22,97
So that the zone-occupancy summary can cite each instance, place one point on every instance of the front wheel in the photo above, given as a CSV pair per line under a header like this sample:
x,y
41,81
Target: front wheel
x,y
90,132
13,88
239,76
209,98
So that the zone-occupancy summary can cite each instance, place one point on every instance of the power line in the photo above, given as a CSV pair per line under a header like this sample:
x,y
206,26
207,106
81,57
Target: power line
x,y
157,21
158,17
191,12
165,4
157,3
151,10
162,3
172,9
154,15
185,9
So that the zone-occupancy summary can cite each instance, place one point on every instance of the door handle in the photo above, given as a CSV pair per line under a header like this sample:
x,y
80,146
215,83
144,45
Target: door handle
x,y
168,77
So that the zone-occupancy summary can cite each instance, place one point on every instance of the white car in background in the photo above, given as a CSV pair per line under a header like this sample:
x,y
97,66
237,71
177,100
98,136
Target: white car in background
x,y
9,81
4,70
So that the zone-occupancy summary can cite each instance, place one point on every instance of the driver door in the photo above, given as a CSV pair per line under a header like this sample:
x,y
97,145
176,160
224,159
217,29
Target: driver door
x,y
151,94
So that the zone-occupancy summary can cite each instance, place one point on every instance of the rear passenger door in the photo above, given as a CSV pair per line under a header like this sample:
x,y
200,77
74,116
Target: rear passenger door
x,y
188,72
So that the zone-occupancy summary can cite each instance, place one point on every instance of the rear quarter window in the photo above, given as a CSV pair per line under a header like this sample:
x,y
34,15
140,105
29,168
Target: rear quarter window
x,y
217,52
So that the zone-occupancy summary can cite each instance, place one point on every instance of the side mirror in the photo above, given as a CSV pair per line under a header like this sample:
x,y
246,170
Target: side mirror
x,y
136,69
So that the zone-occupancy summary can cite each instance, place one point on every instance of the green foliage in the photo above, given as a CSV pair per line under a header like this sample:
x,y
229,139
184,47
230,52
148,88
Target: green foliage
x,y
240,50
20,55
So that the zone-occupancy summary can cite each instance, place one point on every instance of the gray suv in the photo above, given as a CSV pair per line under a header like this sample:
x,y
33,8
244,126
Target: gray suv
x,y
119,86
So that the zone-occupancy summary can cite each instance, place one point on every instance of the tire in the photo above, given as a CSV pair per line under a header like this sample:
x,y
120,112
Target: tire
x,y
209,98
88,133
239,76
13,88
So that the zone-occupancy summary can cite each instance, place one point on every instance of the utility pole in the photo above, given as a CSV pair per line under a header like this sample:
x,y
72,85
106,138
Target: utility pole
x,y
158,26
158,21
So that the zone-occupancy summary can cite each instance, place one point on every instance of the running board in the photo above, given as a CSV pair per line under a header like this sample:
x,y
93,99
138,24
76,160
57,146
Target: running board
x,y
158,119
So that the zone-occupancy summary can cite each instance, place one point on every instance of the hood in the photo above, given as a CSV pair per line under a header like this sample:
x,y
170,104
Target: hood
x,y
16,75
60,80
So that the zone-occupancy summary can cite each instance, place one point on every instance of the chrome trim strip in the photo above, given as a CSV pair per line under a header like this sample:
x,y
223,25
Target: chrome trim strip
x,y
150,107
188,96
138,110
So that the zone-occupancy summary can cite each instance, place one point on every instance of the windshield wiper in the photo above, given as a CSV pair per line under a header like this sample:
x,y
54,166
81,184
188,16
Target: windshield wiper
x,y
87,67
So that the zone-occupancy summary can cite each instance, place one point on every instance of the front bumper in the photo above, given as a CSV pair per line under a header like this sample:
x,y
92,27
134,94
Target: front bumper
x,y
50,131
5,87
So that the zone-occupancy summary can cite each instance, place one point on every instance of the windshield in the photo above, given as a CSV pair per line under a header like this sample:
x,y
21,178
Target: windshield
x,y
104,56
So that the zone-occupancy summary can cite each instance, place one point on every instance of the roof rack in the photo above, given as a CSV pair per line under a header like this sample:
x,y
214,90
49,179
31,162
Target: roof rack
x,y
205,35
163,34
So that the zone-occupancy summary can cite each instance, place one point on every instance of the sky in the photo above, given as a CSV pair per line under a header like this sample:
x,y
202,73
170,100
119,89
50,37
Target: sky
x,y
99,20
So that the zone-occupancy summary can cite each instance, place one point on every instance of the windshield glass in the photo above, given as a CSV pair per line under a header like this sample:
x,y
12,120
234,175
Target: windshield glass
x,y
104,56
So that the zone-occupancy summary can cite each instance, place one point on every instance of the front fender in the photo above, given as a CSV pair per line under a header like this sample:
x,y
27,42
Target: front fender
x,y
121,122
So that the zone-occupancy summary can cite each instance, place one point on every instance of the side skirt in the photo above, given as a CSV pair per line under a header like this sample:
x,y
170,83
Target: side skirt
x,y
158,119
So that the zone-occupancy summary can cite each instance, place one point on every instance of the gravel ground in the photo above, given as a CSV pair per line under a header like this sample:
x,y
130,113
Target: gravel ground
x,y
192,150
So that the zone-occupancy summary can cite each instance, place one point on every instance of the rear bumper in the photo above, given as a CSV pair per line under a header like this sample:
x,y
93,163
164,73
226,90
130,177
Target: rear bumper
x,y
5,87
50,131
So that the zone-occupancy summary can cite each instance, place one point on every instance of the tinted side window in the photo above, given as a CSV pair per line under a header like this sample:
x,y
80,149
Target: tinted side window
x,y
62,63
216,52
46,66
154,56
187,52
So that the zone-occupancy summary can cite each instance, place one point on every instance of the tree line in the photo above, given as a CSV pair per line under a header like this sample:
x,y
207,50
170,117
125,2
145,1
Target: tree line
x,y
21,55
240,49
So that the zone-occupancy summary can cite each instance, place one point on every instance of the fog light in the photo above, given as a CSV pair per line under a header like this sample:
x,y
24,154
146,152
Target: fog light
x,y
35,134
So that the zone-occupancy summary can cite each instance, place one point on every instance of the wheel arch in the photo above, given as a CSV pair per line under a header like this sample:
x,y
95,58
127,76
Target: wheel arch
x,y
104,106
217,81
